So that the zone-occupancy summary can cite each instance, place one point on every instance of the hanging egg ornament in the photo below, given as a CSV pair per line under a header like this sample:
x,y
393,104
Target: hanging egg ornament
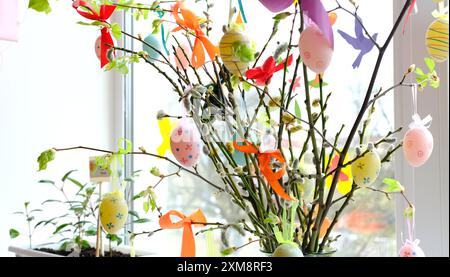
x,y
185,142
231,45
417,145
411,249
182,56
365,170
276,5
98,47
436,40
287,250
152,41
315,50
113,212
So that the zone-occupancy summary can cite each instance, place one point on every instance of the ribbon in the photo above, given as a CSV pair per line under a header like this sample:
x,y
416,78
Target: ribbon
x,y
241,8
264,159
188,241
411,6
417,121
315,11
163,32
190,21
105,13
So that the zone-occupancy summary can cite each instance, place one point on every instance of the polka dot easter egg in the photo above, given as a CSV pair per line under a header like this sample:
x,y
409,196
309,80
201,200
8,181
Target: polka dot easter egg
x,y
185,142
113,212
411,249
152,43
232,43
315,49
417,145
437,40
365,170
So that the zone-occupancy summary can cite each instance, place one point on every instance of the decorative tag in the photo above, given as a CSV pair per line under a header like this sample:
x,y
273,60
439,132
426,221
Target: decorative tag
x,y
9,22
96,173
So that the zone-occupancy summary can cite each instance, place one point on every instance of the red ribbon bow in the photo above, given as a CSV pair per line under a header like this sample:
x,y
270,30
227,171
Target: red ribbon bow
x,y
190,21
188,242
264,159
263,74
105,13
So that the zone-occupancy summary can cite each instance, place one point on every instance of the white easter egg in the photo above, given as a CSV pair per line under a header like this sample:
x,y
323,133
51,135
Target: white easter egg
x,y
417,145
287,250
185,142
315,49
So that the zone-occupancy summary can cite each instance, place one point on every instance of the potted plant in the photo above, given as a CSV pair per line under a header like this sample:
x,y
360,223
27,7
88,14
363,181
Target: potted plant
x,y
260,173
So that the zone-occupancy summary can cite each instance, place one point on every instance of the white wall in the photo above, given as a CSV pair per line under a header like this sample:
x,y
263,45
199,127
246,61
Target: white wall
x,y
52,94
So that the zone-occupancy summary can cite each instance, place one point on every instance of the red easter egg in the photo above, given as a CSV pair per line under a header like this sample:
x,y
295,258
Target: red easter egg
x,y
315,49
417,145
185,142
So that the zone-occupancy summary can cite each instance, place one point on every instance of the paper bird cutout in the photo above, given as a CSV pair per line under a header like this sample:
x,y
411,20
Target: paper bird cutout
x,y
360,42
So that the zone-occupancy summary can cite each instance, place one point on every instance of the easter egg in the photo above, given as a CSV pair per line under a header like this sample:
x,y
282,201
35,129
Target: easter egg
x,y
113,212
287,250
182,56
411,249
229,45
436,40
315,49
154,42
185,142
276,5
417,145
365,169
98,47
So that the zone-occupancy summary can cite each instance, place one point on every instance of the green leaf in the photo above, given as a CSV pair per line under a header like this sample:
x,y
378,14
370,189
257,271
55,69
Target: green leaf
x,y
40,6
282,16
133,213
298,112
146,206
46,182
116,31
77,183
128,146
419,72
91,232
67,175
393,185
156,25
244,52
115,238
228,251
60,227
409,212
51,201
155,171
141,220
430,64
45,157
13,233
246,86
272,219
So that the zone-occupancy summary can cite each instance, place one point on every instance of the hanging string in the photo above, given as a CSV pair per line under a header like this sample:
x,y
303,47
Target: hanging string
x,y
241,8
414,98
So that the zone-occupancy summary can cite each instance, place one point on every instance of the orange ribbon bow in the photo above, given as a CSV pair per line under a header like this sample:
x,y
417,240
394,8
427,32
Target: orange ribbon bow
x,y
188,242
190,21
264,159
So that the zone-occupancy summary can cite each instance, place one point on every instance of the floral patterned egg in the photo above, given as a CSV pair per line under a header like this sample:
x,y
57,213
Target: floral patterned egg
x,y
315,49
365,170
437,40
154,42
229,45
417,145
113,212
287,250
276,5
411,249
185,142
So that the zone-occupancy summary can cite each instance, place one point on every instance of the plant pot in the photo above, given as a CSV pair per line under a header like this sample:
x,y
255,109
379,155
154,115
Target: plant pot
x,y
27,252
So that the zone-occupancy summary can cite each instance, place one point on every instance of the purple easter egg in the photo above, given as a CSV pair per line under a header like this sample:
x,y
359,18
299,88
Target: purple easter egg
x,y
185,143
276,5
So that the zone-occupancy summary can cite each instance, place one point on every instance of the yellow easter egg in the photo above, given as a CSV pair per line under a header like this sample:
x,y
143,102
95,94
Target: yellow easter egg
x,y
229,45
345,179
437,40
365,170
113,212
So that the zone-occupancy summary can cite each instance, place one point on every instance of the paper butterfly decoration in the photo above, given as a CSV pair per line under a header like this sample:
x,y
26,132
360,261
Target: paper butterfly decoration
x,y
263,74
105,13
360,42
165,128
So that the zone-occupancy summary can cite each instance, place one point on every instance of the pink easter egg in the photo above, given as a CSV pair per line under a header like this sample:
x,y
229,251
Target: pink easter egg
x,y
276,5
182,62
98,48
411,250
417,145
315,49
185,142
